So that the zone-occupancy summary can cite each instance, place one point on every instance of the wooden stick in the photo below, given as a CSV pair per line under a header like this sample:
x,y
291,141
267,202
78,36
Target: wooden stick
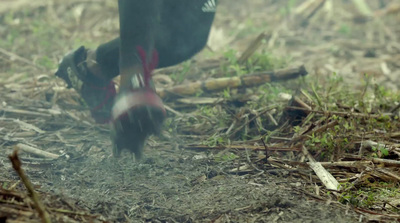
x,y
23,112
243,147
345,114
172,110
252,48
297,102
36,151
308,9
393,8
386,162
315,130
363,7
16,163
13,56
326,178
304,6
249,121
363,211
25,125
346,164
389,173
250,80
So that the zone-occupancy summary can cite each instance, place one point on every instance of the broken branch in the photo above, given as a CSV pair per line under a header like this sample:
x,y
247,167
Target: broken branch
x,y
16,163
36,151
250,80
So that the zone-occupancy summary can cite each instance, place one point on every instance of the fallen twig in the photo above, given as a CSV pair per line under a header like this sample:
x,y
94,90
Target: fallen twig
x,y
14,56
16,163
308,9
364,211
393,8
172,110
243,147
389,173
346,164
315,130
20,112
344,114
36,151
199,100
25,125
250,120
297,102
363,7
250,80
326,178
266,150
386,162
252,48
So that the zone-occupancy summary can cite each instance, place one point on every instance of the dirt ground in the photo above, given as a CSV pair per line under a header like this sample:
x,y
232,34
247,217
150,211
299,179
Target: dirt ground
x,y
173,183
173,186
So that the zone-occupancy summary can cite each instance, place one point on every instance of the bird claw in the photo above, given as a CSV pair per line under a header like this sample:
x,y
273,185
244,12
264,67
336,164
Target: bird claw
x,y
131,131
